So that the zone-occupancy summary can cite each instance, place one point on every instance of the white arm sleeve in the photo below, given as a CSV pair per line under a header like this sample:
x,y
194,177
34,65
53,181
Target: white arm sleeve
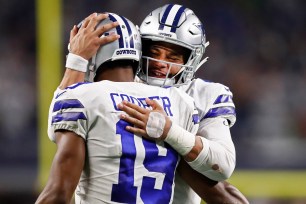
x,y
217,159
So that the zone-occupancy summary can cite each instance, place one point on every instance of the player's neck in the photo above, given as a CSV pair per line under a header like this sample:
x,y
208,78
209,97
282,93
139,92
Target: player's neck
x,y
116,74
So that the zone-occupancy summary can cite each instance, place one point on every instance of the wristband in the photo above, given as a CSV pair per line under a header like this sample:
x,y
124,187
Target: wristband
x,y
76,62
180,139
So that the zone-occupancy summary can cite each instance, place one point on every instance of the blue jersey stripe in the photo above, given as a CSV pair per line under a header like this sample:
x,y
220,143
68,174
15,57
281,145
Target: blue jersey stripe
x,y
215,112
176,19
224,99
195,118
67,103
119,31
69,116
129,31
165,16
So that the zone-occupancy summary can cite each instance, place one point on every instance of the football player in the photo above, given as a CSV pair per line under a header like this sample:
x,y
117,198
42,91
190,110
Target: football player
x,y
96,156
174,42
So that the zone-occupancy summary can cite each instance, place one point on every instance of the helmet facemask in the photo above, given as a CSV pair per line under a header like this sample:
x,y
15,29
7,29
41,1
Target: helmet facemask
x,y
183,75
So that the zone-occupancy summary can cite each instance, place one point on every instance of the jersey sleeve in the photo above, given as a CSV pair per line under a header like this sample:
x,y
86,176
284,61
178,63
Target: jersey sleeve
x,y
67,113
223,105
50,130
213,100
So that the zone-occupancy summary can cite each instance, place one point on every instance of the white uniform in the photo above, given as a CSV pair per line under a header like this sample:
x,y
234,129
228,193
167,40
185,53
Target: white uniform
x,y
214,103
120,167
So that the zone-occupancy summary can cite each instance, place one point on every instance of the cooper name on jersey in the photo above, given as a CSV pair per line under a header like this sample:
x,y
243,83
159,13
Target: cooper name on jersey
x,y
162,100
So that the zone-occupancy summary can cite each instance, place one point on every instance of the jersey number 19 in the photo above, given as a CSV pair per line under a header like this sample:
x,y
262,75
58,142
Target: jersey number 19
x,y
126,191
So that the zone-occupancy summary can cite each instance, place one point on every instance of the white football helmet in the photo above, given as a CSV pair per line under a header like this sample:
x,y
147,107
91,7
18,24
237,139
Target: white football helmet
x,y
173,23
127,47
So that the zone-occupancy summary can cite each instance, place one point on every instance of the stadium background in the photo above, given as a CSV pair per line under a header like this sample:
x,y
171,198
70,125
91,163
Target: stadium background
x,y
257,48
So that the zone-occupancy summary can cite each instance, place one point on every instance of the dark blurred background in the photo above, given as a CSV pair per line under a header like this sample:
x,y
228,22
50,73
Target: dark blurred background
x,y
257,48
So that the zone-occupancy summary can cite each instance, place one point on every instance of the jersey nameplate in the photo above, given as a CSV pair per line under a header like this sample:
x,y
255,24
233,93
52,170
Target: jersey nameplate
x,y
163,100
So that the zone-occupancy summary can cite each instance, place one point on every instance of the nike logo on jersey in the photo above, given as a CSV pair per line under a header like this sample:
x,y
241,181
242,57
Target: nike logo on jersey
x,y
59,94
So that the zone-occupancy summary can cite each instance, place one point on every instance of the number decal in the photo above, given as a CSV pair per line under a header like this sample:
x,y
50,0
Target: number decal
x,y
156,165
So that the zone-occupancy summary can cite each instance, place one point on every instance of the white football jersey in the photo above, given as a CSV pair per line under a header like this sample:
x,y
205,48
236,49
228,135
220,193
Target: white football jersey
x,y
211,100
120,167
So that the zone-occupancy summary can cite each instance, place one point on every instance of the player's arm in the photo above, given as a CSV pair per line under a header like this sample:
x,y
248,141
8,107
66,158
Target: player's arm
x,y
217,114
200,153
66,168
84,43
155,125
209,190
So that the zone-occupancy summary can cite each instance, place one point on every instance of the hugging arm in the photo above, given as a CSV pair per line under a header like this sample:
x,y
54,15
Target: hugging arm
x,y
209,190
142,119
84,43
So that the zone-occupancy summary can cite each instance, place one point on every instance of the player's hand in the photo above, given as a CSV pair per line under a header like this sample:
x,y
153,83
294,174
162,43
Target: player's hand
x,y
85,40
139,116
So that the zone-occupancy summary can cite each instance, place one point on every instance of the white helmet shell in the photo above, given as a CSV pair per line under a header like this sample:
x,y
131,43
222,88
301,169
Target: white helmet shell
x,y
176,24
127,47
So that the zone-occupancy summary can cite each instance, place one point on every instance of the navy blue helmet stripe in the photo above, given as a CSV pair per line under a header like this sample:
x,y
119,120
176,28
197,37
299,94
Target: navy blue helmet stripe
x,y
215,112
129,31
165,16
176,19
119,31
67,103
69,116
223,99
